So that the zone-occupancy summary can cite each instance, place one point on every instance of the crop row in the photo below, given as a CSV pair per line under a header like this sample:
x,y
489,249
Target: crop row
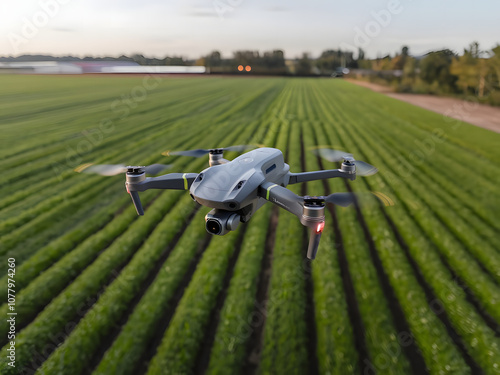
x,y
76,261
124,355
456,231
169,94
148,137
104,213
56,211
104,299
129,130
241,314
78,348
452,250
427,330
183,339
336,349
380,333
73,300
95,206
110,307
465,319
285,330
449,165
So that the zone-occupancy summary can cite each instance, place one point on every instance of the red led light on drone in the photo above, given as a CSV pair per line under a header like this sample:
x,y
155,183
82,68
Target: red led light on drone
x,y
320,227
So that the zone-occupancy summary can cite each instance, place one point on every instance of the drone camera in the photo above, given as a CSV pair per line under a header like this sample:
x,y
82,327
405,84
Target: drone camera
x,y
220,222
214,226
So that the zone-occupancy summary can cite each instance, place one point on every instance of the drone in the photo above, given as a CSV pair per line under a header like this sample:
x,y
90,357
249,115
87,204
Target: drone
x,y
236,189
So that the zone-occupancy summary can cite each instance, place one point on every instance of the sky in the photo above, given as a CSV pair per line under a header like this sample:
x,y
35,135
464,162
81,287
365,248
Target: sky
x,y
191,28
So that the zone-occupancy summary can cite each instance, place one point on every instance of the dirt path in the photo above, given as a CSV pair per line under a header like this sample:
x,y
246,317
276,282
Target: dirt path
x,y
482,115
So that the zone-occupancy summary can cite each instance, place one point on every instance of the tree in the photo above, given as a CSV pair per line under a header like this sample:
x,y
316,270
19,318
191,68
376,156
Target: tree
x,y
361,54
214,59
435,69
494,63
399,61
304,65
471,70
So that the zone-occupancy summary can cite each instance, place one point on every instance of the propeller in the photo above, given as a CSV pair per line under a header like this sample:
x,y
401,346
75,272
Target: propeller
x,y
331,155
200,151
362,199
114,169
341,199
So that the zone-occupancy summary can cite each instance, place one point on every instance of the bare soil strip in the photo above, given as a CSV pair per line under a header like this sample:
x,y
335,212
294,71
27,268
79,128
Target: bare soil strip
x,y
255,341
481,115
201,363
106,343
310,317
442,315
148,354
357,325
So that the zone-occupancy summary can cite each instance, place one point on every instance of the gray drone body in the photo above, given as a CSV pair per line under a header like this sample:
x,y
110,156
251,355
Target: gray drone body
x,y
233,186
236,189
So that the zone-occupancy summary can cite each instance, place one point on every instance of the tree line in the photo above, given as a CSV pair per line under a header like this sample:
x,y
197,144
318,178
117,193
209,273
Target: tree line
x,y
474,73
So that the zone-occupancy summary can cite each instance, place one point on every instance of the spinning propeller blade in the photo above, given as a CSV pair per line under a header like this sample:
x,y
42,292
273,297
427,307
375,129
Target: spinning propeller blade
x,y
195,153
362,167
331,155
362,199
341,199
200,151
114,169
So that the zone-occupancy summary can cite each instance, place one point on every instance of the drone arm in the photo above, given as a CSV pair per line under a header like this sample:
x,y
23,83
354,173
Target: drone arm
x,y
175,181
296,178
281,197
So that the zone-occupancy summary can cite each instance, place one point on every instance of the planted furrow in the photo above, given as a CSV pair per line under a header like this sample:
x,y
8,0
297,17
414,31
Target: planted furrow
x,y
87,325
181,343
59,162
408,289
310,309
340,346
67,306
428,331
426,148
75,352
285,330
465,265
156,307
47,221
458,309
381,314
120,233
242,318
52,252
477,245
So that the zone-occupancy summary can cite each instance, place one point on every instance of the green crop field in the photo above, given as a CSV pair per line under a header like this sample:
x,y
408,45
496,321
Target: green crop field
x,y
404,289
